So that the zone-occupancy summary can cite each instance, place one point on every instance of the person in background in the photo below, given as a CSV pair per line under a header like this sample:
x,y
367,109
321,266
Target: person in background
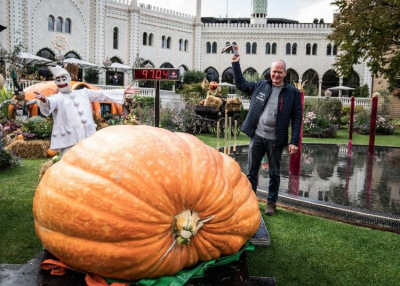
x,y
71,109
114,80
274,105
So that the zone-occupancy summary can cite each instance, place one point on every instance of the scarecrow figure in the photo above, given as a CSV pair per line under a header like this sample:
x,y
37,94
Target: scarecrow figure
x,y
71,109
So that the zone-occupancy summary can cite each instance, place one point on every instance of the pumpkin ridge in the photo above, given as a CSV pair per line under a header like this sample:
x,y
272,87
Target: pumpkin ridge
x,y
145,261
120,186
206,198
178,200
91,210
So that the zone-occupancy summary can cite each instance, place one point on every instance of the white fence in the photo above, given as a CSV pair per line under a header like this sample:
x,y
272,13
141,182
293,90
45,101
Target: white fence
x,y
346,101
23,83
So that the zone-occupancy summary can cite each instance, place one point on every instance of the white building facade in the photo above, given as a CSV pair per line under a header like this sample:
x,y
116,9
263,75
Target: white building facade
x,y
124,30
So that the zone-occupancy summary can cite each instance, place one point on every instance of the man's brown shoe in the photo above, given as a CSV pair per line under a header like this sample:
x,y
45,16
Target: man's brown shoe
x,y
271,208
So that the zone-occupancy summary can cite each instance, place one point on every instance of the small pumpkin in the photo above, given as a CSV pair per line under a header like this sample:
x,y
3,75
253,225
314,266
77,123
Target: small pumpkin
x,y
151,203
213,85
51,153
20,137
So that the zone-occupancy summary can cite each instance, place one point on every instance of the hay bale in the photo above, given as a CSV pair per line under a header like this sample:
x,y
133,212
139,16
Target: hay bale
x,y
233,104
45,167
29,149
213,101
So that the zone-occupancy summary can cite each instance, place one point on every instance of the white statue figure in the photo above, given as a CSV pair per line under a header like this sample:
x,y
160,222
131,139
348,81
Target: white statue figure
x,y
71,109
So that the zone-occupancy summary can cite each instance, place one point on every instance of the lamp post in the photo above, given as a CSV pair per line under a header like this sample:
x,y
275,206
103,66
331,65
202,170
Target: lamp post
x,y
60,59
3,53
106,65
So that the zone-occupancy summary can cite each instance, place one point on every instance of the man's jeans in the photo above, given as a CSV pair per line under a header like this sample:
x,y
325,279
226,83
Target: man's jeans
x,y
258,148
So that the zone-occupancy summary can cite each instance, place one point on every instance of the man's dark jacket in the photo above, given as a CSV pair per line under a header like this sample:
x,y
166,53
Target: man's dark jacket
x,y
289,107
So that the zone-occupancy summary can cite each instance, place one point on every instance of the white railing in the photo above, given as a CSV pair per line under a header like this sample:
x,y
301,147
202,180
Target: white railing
x,y
346,101
23,83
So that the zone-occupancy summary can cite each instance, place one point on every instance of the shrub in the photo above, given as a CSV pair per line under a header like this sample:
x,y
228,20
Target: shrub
x,y
7,158
311,90
193,91
318,126
144,102
91,76
39,126
361,91
193,77
383,125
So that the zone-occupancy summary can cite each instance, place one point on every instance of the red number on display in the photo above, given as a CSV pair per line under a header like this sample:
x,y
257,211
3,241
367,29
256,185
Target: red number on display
x,y
158,74
145,73
165,74
152,73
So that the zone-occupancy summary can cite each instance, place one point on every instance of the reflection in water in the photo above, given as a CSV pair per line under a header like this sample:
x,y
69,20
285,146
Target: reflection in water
x,y
328,174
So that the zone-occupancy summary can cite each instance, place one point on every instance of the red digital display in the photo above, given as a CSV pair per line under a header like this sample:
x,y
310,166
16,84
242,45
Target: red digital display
x,y
156,74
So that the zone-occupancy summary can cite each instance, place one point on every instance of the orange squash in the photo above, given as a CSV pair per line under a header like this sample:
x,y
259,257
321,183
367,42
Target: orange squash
x,y
51,153
149,204
20,137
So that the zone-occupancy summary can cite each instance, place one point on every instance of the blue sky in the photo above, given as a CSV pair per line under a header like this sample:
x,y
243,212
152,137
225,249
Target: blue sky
x,y
303,11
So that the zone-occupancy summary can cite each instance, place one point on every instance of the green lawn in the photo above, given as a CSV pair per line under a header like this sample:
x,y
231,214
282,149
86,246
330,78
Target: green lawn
x,y
305,250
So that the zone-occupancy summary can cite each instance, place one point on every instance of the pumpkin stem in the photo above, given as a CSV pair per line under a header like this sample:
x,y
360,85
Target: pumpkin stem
x,y
185,226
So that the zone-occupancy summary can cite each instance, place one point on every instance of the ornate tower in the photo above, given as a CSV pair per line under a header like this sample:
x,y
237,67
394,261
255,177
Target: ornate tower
x,y
259,11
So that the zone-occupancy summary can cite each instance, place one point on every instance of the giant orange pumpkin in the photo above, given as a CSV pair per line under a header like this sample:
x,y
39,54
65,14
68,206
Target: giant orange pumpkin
x,y
134,202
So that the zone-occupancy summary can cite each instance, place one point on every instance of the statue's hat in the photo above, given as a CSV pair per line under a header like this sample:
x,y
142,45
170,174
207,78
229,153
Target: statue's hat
x,y
58,71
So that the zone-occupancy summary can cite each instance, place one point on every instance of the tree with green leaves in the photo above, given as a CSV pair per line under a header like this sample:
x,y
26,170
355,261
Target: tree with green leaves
x,y
368,31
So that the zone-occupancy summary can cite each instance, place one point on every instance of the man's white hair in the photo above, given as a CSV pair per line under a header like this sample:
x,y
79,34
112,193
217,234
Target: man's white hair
x,y
275,62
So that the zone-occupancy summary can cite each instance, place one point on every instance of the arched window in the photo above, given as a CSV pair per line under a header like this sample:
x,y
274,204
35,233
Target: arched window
x,y
59,24
44,71
248,48
227,75
182,71
163,42
288,48
314,49
268,48
51,23
330,79
70,55
274,48
167,65
267,74
334,51
186,45
151,37
208,48
352,80
214,47
180,44
291,76
328,49
308,49
67,27
212,74
115,38
115,60
254,48
251,72
169,43
46,53
294,49
311,77
144,39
